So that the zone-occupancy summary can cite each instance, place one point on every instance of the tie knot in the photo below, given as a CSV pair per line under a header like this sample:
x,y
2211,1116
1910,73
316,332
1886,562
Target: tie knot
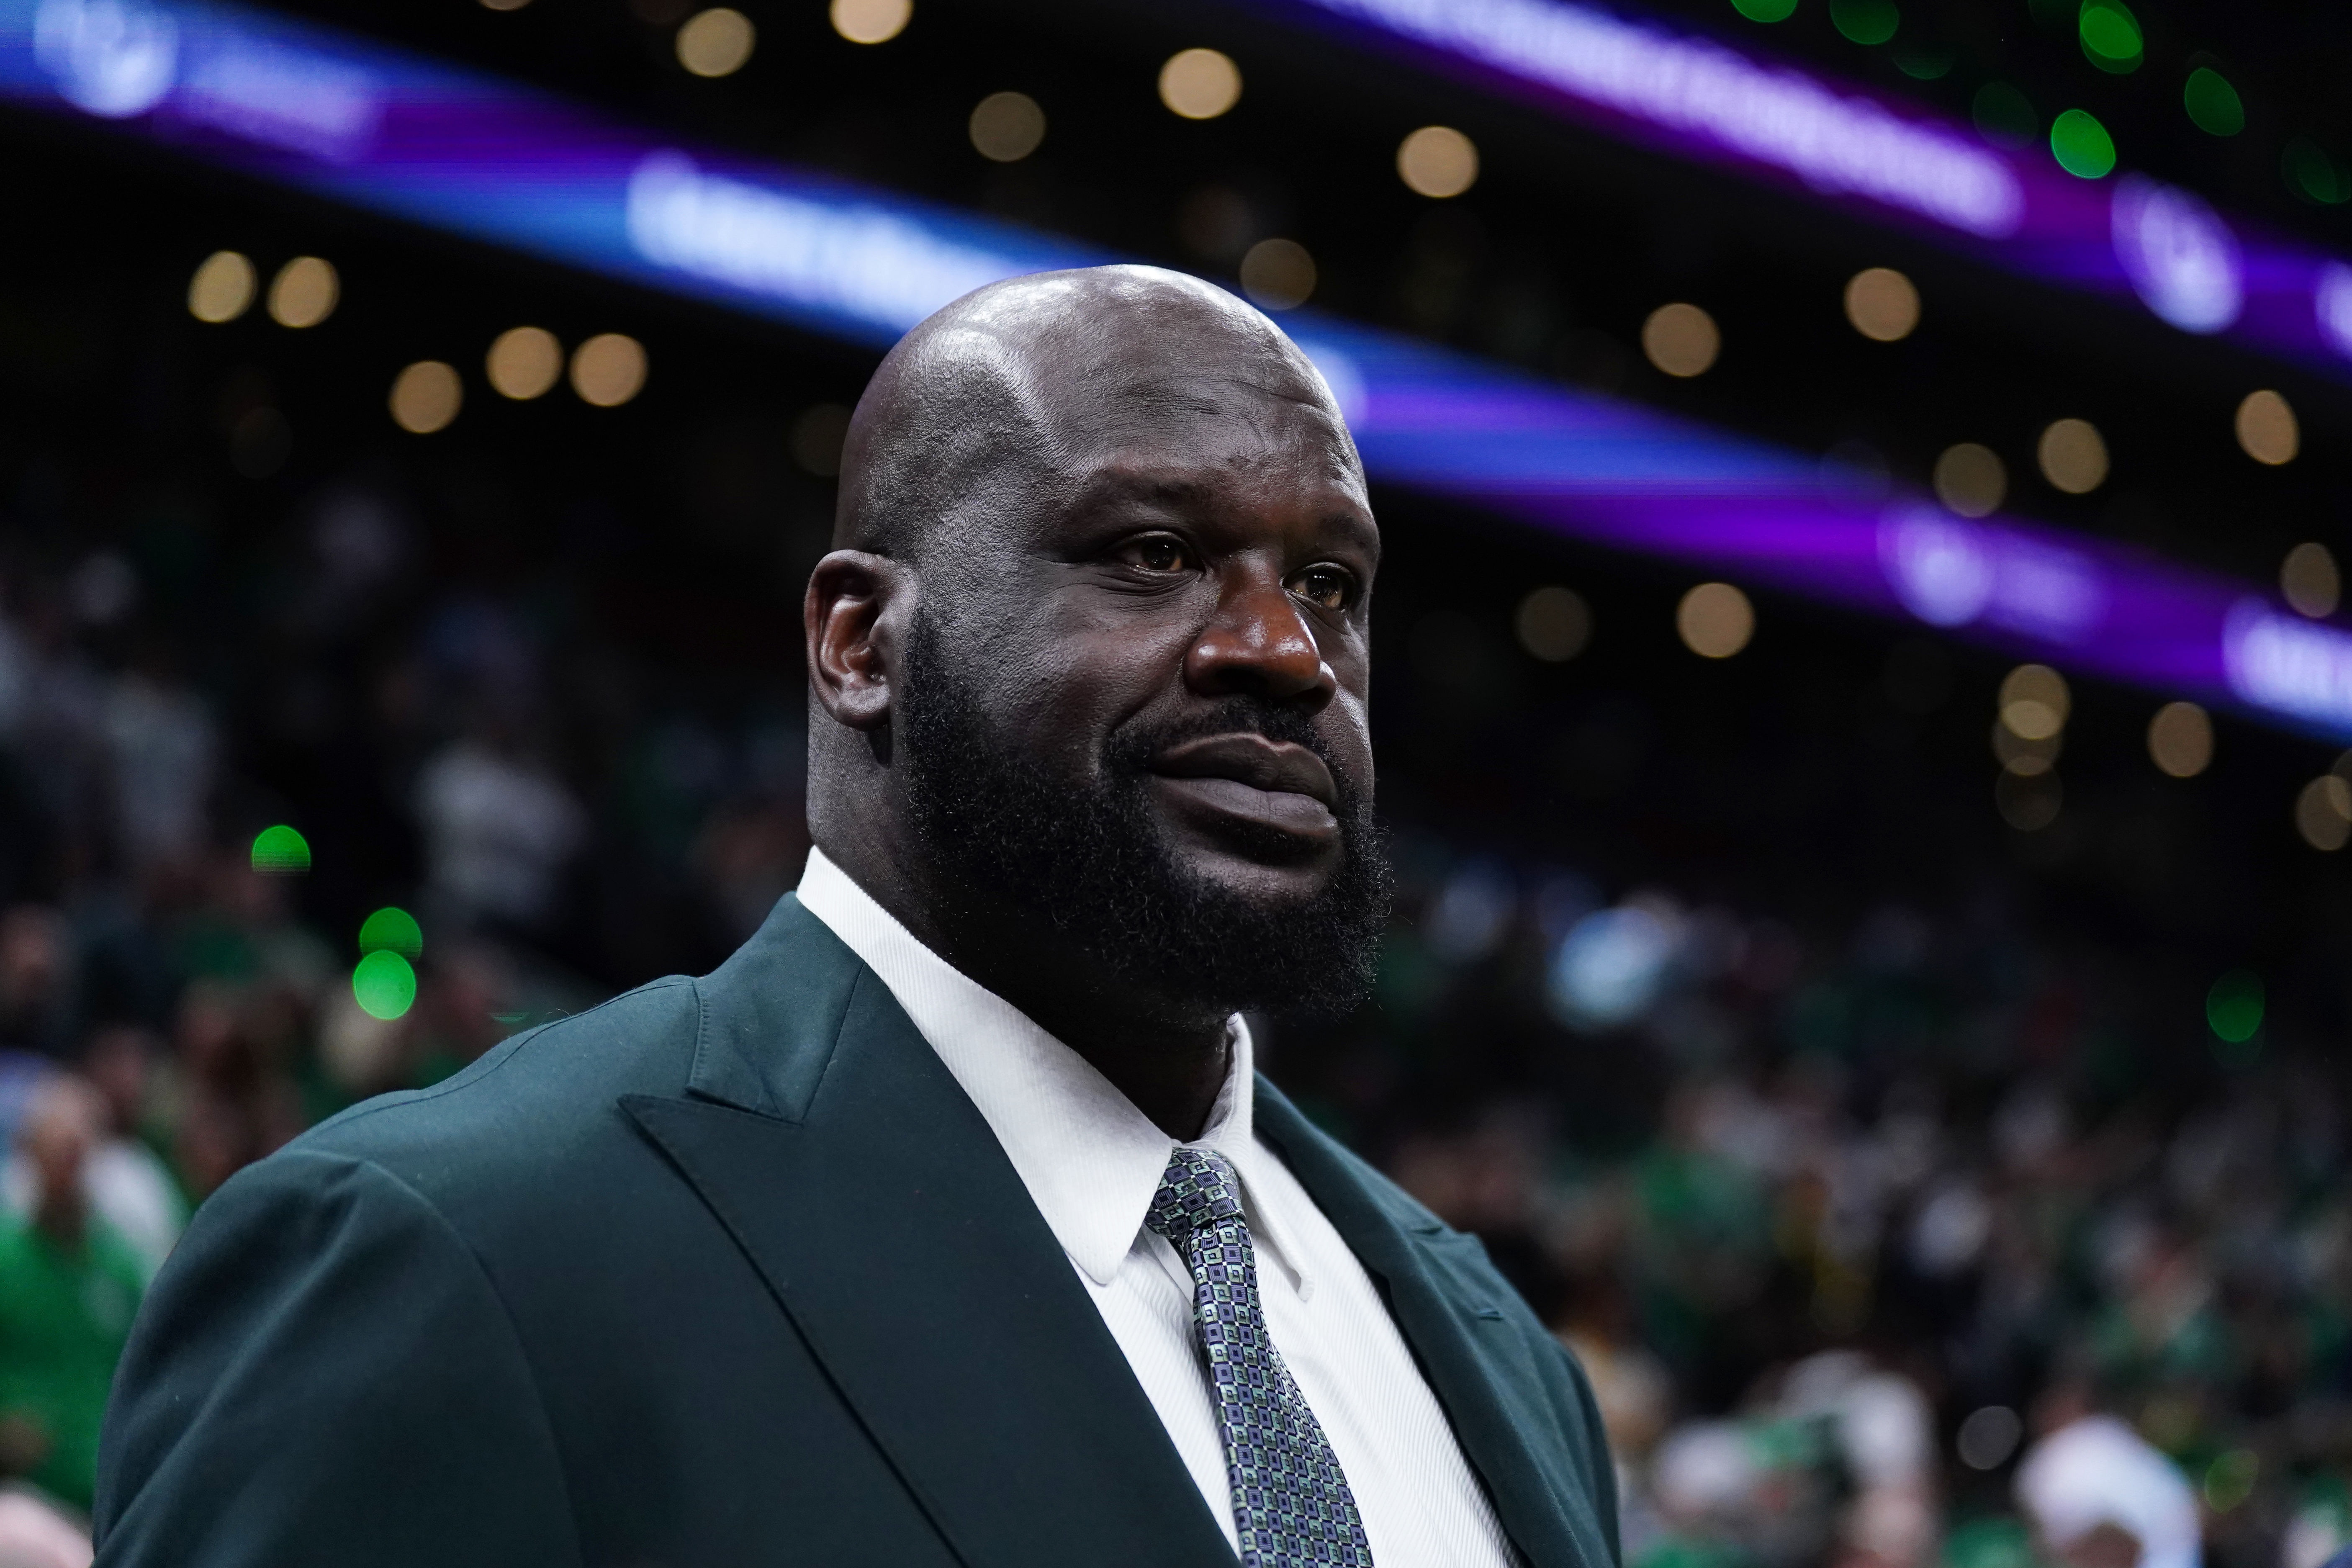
x,y
1199,1189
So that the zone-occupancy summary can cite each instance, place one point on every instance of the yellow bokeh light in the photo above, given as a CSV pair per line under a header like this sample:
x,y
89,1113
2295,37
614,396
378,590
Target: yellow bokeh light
x,y
609,369
1279,274
2267,428
1554,624
717,42
426,396
2072,456
1680,340
222,289
1883,304
524,363
504,5
2034,703
1007,126
1437,161
2323,813
2309,581
2180,739
2028,802
305,292
1970,479
1200,84
871,21
1716,620
2023,757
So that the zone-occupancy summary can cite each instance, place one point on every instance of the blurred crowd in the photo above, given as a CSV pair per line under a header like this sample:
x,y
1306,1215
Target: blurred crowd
x,y
1896,1234
1923,1238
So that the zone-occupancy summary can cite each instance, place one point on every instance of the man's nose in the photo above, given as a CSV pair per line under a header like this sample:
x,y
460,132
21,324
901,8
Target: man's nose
x,y
1259,642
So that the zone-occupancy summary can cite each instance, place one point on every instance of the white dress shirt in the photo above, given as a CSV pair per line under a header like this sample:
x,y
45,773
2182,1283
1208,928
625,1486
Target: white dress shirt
x,y
1092,1162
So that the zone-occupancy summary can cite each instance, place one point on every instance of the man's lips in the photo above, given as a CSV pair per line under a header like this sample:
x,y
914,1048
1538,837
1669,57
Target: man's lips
x,y
1276,784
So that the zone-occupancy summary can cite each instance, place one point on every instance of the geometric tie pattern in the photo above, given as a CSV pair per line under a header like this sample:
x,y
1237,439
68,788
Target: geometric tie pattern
x,y
1291,1505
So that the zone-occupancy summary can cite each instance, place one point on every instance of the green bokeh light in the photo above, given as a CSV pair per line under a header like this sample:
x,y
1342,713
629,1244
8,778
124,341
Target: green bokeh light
x,y
2110,34
2311,172
2213,105
280,850
384,985
2005,116
2081,145
2234,1005
1765,10
1923,63
1865,21
393,930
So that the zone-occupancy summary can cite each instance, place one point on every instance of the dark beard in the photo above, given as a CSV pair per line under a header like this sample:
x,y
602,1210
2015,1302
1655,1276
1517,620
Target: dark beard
x,y
1090,861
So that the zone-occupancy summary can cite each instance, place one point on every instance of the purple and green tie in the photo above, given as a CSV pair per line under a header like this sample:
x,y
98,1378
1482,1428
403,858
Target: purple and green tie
x,y
1291,1503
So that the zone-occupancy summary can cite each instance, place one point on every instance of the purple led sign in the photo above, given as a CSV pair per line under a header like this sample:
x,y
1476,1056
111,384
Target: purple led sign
x,y
2129,237
474,155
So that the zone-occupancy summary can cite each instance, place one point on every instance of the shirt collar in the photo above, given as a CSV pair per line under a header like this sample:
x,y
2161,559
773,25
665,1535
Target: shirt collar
x,y
1091,1160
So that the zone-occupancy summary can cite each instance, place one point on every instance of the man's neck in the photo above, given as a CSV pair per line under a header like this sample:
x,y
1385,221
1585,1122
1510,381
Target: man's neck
x,y
1170,1060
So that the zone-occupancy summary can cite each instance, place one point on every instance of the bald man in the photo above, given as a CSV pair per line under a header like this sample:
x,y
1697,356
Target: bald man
x,y
948,1222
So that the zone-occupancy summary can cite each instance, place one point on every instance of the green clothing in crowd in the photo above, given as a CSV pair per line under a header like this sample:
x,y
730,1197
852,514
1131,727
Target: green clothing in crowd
x,y
64,1314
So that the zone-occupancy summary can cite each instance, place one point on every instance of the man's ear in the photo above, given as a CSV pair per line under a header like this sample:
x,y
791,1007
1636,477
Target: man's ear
x,y
851,649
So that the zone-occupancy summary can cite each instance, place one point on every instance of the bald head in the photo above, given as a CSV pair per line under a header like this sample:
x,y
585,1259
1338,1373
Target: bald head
x,y
1009,389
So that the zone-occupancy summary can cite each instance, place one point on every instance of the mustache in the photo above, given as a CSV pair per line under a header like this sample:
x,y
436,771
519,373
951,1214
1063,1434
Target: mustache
x,y
1132,747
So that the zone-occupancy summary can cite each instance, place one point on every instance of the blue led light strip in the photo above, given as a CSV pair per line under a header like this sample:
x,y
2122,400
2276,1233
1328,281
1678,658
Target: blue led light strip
x,y
471,154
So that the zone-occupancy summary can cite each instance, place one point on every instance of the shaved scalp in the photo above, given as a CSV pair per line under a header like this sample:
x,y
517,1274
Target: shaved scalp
x,y
990,399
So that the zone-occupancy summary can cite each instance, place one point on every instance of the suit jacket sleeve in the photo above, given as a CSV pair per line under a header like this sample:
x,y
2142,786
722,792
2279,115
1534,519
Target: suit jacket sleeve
x,y
324,1373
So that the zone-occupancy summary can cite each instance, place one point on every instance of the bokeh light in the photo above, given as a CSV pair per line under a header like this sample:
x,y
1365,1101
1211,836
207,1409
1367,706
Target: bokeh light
x,y
305,292
1437,161
1007,126
1716,620
2025,757
1554,624
2267,428
524,363
1883,304
816,438
1865,21
2034,703
2213,105
608,370
2311,172
2072,456
2028,802
871,21
1277,274
384,984
2111,35
1680,340
393,930
1970,479
1200,84
2081,145
504,5
1766,10
1989,1437
2323,813
280,850
2233,1006
2180,739
2005,116
426,396
2309,581
222,289
717,42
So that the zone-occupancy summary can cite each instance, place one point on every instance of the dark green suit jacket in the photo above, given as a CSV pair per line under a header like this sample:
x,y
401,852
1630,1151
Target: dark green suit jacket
x,y
727,1271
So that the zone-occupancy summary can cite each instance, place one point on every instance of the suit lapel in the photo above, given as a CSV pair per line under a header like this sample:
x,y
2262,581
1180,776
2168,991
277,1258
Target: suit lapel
x,y
878,1207
1459,1340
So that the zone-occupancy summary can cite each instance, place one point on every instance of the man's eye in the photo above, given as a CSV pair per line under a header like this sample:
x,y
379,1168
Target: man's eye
x,y
1325,587
1159,554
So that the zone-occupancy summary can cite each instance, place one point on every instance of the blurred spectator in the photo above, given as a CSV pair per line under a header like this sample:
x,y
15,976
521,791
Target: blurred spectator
x,y
125,1180
36,982
498,832
2100,1496
69,1287
161,743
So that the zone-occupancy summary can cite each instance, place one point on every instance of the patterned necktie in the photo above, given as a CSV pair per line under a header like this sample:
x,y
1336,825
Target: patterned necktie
x,y
1291,1504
